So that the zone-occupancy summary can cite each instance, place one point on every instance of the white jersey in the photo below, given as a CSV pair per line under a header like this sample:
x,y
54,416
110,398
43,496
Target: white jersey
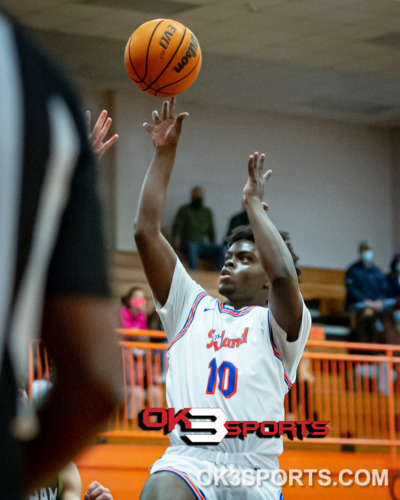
x,y
236,360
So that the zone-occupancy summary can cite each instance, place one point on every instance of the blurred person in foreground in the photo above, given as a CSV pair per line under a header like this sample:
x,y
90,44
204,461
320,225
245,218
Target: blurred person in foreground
x,y
54,281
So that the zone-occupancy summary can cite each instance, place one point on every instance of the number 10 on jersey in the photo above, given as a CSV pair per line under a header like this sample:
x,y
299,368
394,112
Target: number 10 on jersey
x,y
226,374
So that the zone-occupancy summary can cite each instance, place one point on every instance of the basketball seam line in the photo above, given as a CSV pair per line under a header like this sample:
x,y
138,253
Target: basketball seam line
x,y
169,62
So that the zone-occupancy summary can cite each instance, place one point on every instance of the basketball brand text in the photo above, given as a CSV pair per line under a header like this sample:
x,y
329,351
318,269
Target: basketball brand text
x,y
191,52
168,34
218,427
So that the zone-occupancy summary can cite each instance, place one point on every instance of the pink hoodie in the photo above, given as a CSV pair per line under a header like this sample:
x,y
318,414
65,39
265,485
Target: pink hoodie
x,y
128,321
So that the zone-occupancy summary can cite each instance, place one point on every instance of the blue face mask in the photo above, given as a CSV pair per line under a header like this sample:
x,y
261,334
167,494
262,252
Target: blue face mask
x,y
367,255
396,315
397,267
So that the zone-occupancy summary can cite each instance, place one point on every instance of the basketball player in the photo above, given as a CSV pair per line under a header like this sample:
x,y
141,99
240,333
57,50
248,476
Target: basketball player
x,y
52,261
241,355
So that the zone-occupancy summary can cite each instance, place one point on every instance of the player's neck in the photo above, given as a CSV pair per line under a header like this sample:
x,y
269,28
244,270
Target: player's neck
x,y
239,304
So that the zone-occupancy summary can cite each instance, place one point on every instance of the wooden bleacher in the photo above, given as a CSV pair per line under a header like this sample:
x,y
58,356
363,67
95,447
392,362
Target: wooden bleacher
x,y
324,285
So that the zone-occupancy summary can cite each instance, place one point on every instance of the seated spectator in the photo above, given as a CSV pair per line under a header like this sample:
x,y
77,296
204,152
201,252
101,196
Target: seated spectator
x,y
393,278
133,310
366,286
239,219
140,373
193,232
369,329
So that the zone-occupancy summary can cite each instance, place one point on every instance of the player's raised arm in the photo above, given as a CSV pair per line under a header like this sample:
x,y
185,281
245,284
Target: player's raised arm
x,y
284,298
156,253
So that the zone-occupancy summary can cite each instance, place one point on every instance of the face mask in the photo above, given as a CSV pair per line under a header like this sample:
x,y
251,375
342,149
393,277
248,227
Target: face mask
x,y
196,203
367,255
397,267
138,302
396,315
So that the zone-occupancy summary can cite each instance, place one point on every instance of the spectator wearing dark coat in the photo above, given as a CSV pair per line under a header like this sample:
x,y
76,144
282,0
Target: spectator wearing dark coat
x,y
366,284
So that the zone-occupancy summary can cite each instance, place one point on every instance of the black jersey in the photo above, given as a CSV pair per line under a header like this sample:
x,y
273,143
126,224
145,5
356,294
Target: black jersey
x,y
50,221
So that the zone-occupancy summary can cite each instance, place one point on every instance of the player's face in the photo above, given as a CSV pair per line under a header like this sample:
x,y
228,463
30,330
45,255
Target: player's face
x,y
243,280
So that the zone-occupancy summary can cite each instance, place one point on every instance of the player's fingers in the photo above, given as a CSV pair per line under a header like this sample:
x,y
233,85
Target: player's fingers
x,y
257,168
111,141
91,487
267,175
155,116
172,107
250,166
165,110
179,119
148,127
105,129
105,496
101,493
261,161
99,124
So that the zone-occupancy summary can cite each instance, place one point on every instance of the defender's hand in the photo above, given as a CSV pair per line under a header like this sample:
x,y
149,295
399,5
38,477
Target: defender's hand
x,y
99,132
255,185
165,132
97,491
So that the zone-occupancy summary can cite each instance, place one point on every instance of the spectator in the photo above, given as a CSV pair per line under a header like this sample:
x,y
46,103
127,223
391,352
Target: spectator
x,y
239,219
393,278
369,329
366,286
52,260
193,232
138,379
133,310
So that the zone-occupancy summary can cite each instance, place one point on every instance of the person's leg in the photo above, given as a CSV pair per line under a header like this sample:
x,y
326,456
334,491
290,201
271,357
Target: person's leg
x,y
193,255
167,486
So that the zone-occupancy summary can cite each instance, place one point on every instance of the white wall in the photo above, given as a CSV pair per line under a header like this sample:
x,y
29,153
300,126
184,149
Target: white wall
x,y
331,184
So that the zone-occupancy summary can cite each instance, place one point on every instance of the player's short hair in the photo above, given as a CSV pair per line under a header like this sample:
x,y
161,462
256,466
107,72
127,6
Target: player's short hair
x,y
246,233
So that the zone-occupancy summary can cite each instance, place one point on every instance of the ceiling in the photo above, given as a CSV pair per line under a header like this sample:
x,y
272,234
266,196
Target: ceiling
x,y
332,59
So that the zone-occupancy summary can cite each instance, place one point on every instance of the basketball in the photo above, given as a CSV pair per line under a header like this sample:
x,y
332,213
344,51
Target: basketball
x,y
163,57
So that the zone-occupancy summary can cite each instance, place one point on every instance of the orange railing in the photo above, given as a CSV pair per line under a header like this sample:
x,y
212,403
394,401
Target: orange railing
x,y
358,393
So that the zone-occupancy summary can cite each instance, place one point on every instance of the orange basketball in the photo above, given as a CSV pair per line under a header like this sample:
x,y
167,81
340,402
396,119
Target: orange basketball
x,y
163,57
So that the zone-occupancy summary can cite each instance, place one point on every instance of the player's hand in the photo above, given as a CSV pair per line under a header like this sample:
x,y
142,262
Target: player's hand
x,y
257,180
99,132
165,132
96,491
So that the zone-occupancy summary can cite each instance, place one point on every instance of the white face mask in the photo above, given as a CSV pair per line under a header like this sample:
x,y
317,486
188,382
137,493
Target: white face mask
x,y
367,255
